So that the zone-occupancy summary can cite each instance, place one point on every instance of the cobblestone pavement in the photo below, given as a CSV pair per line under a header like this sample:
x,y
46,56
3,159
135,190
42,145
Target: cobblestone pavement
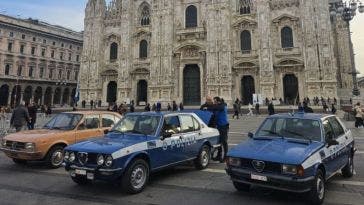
x,y
35,184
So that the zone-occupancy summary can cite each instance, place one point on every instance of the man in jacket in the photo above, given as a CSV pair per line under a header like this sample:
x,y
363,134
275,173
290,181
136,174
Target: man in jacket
x,y
20,117
358,116
32,110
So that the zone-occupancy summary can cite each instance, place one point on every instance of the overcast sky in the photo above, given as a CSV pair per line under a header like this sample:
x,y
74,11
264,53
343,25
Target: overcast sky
x,y
70,13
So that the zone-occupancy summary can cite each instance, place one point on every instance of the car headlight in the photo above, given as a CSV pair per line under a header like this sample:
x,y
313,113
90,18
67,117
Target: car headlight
x,y
100,160
29,146
236,162
72,157
108,161
66,156
292,169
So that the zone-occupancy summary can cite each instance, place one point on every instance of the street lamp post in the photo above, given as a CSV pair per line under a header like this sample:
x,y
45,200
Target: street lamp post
x,y
346,9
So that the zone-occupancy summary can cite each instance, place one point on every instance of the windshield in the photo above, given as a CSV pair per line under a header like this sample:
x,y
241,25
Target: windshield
x,y
138,124
63,121
303,129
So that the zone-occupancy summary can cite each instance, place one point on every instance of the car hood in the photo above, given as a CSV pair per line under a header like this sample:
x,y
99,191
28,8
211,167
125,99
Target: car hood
x,y
108,144
32,135
283,151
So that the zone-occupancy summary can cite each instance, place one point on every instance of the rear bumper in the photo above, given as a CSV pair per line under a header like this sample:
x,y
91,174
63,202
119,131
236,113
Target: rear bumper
x,y
96,173
277,182
17,154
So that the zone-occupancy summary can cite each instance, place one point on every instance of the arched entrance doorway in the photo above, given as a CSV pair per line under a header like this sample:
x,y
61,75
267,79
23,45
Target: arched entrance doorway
x,y
290,89
48,96
38,95
4,93
15,96
142,91
191,85
247,89
111,92
57,96
28,92
66,94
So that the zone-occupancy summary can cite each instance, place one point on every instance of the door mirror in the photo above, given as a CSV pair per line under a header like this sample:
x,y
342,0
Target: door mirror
x,y
81,126
250,135
106,131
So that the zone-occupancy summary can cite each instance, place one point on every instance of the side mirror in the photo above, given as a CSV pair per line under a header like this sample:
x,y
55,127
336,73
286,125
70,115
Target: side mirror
x,y
81,126
250,135
106,131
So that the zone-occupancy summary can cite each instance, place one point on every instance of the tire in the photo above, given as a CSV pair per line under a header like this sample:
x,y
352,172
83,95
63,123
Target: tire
x,y
19,161
241,186
80,180
54,157
348,170
317,193
203,159
136,177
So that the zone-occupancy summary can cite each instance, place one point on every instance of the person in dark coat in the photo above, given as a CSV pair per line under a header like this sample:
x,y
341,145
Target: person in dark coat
x,y
271,108
20,117
181,107
257,108
132,108
174,106
306,108
333,109
154,107
169,108
147,108
236,106
92,104
32,110
83,104
158,107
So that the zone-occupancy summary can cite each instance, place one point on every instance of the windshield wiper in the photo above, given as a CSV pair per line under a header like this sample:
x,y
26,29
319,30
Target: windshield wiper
x,y
273,133
298,134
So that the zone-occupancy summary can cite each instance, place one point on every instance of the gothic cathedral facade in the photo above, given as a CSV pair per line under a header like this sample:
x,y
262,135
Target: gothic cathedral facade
x,y
183,50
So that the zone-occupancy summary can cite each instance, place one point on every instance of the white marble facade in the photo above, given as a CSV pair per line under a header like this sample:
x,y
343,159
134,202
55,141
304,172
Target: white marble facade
x,y
153,50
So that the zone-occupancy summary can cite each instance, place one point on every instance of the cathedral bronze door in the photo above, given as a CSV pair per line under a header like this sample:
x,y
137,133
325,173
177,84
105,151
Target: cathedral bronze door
x,y
247,89
111,92
290,88
142,92
191,85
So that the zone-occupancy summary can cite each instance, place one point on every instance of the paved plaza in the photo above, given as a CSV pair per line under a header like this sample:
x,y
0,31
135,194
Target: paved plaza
x,y
35,184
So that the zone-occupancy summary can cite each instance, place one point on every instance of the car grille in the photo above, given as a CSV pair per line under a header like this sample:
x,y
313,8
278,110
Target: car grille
x,y
91,159
270,167
15,145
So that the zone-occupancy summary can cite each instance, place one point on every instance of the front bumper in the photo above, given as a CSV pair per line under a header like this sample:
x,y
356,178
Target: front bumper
x,y
274,181
94,173
21,154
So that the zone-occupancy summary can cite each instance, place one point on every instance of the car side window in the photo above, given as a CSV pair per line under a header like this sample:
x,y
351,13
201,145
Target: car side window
x,y
329,133
108,120
172,125
196,124
92,122
336,126
187,124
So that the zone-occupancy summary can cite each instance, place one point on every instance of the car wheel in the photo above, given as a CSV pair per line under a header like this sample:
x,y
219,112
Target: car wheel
x,y
317,193
19,161
54,157
241,186
203,158
135,177
80,180
348,170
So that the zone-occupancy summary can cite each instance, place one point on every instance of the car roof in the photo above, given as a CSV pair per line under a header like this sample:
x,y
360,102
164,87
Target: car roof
x,y
301,115
92,112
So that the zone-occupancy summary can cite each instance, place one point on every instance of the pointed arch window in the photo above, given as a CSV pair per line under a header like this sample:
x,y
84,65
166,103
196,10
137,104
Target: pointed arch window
x,y
143,49
245,41
191,16
113,51
244,6
287,37
145,16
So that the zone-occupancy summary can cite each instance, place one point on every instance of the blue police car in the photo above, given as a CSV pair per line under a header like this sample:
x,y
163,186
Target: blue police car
x,y
293,152
142,143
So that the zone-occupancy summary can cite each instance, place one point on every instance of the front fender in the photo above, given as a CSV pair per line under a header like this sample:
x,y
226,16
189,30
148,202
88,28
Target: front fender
x,y
132,156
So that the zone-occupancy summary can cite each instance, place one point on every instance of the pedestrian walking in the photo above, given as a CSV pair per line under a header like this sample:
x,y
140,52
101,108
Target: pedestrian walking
x,y
271,108
358,112
92,104
132,108
158,107
333,109
325,107
2,119
306,108
20,117
250,109
181,107
169,108
32,110
236,109
257,112
147,107
154,107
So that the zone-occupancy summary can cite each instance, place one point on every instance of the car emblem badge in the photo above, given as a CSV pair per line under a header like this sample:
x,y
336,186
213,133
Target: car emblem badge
x,y
82,157
258,165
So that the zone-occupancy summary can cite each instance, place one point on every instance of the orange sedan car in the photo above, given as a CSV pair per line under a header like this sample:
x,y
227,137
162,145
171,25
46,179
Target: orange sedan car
x,y
66,128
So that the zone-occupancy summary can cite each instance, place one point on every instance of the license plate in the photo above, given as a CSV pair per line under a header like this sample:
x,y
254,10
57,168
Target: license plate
x,y
259,178
80,172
